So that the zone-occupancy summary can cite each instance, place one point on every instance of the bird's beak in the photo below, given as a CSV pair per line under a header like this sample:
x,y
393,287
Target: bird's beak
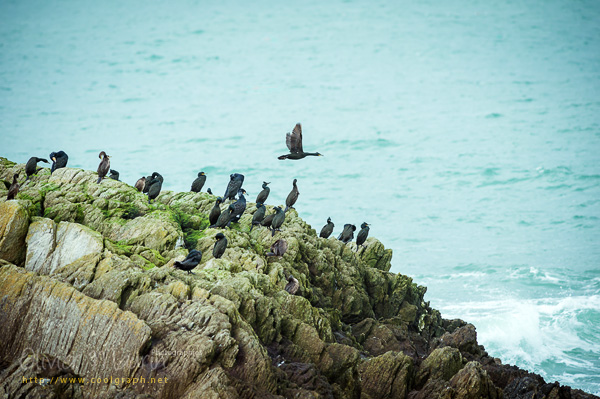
x,y
54,159
321,155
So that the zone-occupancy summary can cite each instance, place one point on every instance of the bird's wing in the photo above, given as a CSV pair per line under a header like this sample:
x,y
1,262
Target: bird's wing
x,y
7,184
294,139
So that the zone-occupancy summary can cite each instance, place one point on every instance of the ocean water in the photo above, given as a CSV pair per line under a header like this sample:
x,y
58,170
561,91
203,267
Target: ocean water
x,y
467,134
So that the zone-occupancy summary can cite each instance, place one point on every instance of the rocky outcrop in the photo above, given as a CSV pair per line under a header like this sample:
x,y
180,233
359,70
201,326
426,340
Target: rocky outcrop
x,y
87,290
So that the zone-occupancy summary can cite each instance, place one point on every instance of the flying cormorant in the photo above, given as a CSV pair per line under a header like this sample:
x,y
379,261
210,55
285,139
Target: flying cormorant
x,y
277,220
292,285
259,215
278,248
190,262
13,190
140,184
347,234
31,166
220,245
235,183
327,229
264,194
59,160
239,206
362,235
294,144
292,197
224,218
155,186
215,212
104,166
114,174
198,183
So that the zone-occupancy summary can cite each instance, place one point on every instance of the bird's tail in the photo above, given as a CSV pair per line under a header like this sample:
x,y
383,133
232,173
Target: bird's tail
x,y
251,226
99,179
286,209
282,157
272,232
269,254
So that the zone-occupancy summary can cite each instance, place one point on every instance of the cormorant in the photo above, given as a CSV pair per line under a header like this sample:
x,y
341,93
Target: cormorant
x,y
220,245
259,215
155,186
13,190
292,285
147,184
31,166
104,166
199,182
140,184
292,197
114,174
264,194
190,262
59,160
277,220
215,212
235,183
209,191
294,144
327,229
362,235
224,218
268,220
278,248
347,234
239,206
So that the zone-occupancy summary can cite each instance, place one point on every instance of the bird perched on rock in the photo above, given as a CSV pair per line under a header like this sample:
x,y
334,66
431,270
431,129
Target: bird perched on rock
x,y
239,206
114,174
209,191
199,182
31,166
13,189
220,245
59,160
104,166
327,229
259,215
347,234
292,285
362,235
215,212
224,218
190,262
278,220
235,183
147,182
292,196
155,186
140,184
268,220
294,144
278,248
264,194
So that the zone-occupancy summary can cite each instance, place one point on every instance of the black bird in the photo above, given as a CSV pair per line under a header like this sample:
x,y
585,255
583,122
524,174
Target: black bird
x,y
224,218
104,166
220,245
147,182
268,220
362,235
114,174
209,191
327,229
347,234
199,182
190,262
13,190
59,160
292,197
278,220
264,194
155,186
294,144
140,184
235,183
292,285
31,166
239,206
215,212
278,248
259,215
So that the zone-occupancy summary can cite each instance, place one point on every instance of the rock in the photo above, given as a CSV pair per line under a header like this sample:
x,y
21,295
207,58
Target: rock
x,y
442,363
473,382
386,376
464,339
14,222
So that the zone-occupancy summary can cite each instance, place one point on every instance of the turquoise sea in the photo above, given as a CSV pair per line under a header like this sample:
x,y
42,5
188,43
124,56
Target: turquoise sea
x,y
466,132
